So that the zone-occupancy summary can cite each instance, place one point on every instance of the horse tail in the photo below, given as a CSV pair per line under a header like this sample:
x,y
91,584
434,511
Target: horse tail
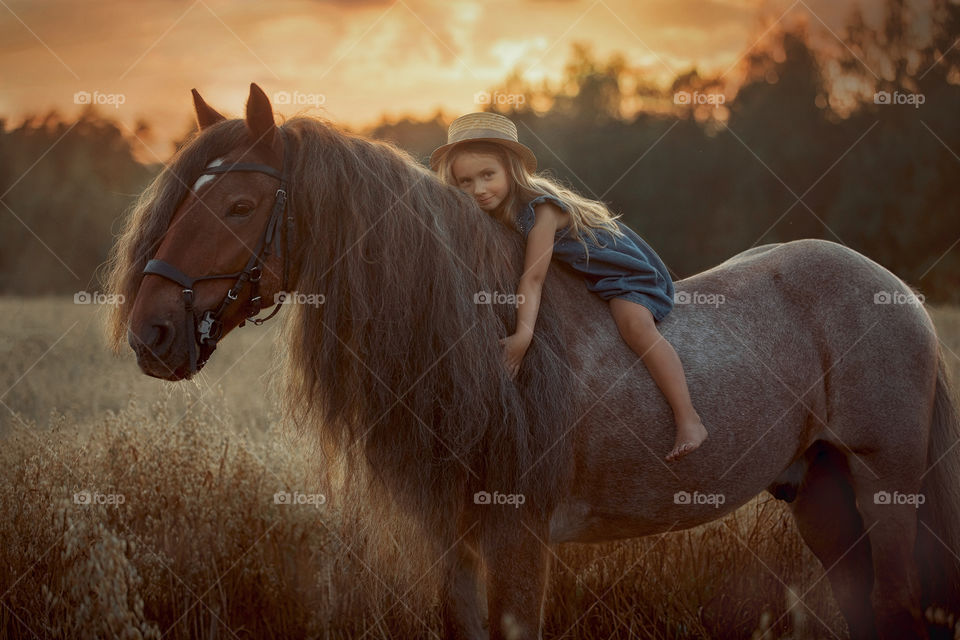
x,y
938,535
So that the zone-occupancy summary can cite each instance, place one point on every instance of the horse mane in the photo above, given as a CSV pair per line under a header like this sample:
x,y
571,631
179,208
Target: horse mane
x,y
399,371
400,359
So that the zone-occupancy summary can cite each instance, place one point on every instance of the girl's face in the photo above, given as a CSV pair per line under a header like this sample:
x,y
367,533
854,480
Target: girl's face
x,y
482,176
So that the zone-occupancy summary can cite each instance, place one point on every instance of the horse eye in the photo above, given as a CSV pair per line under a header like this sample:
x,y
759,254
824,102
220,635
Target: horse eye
x,y
240,209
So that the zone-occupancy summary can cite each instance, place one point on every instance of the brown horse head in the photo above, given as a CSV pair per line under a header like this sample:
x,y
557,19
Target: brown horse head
x,y
222,257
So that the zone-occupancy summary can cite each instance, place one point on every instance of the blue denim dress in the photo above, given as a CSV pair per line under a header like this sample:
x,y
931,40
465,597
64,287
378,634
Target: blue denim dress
x,y
624,267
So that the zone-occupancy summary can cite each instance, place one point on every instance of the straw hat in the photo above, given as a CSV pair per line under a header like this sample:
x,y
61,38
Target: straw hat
x,y
491,127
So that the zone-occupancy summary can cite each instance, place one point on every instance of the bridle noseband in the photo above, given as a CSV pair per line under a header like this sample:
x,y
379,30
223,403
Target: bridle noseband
x,y
208,330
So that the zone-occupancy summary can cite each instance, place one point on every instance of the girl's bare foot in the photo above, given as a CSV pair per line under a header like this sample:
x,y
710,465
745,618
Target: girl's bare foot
x,y
690,433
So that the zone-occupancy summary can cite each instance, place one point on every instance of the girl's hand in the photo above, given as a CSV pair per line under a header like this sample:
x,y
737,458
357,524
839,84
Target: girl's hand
x,y
514,348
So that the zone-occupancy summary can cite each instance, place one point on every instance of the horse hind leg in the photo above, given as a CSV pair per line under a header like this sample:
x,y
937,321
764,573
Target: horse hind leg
x,y
824,507
886,482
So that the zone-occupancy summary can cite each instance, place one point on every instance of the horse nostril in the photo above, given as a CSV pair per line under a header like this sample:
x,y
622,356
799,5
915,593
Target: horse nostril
x,y
156,339
161,336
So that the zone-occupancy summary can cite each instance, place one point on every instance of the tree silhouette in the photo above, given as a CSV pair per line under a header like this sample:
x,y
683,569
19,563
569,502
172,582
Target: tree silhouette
x,y
800,149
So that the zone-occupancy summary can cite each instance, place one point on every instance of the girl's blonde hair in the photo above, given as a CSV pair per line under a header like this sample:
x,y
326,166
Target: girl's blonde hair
x,y
585,215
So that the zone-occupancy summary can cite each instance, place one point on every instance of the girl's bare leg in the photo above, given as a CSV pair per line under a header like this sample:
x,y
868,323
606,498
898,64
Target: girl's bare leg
x,y
637,326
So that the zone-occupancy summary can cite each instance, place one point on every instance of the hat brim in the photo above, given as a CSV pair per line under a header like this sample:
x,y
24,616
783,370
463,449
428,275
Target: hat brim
x,y
526,155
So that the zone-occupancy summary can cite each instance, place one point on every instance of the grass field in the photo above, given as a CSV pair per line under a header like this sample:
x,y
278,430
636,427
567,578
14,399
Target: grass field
x,y
182,538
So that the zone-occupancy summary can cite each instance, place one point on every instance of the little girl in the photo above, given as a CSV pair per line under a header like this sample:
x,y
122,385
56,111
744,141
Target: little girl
x,y
484,158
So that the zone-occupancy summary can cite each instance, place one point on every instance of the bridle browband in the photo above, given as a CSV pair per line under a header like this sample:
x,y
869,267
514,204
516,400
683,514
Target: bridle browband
x,y
208,330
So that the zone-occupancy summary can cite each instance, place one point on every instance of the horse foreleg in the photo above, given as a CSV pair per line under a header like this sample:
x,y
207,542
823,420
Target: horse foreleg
x,y
517,567
462,604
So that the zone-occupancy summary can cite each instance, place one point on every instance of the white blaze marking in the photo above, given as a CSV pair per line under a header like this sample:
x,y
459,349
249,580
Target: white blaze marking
x,y
204,179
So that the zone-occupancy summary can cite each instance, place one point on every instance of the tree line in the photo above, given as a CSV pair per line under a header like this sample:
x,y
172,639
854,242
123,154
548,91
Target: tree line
x,y
858,144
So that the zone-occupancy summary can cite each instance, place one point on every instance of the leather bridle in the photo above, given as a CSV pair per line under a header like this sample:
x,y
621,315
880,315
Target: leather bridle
x,y
209,328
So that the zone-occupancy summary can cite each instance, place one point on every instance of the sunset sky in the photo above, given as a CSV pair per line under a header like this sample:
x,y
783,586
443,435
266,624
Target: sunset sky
x,y
351,61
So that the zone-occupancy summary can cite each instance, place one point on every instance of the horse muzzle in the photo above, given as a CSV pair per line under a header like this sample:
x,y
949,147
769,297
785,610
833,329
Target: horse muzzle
x,y
163,351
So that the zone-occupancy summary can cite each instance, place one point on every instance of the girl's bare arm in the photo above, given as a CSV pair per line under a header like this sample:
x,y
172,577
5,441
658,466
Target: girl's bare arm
x,y
536,261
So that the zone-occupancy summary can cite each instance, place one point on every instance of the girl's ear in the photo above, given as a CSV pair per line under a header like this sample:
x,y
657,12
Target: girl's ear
x,y
446,170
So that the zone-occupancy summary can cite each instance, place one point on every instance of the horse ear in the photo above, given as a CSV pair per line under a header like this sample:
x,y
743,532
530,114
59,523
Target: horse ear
x,y
205,115
260,117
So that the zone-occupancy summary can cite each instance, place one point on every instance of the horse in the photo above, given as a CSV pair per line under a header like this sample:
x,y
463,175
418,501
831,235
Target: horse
x,y
817,372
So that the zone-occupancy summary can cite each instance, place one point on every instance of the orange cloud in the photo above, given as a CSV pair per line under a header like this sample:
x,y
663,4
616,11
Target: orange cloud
x,y
352,60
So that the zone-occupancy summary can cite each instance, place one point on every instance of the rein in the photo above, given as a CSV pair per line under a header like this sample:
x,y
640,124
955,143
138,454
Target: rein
x,y
207,331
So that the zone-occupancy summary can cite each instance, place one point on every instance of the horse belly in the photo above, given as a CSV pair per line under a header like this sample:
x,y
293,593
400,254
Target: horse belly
x,y
580,521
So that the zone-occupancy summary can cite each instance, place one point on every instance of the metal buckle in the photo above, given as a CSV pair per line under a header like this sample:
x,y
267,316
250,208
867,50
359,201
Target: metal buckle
x,y
209,328
253,307
256,271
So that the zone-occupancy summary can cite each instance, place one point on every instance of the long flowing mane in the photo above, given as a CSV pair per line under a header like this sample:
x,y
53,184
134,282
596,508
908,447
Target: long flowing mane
x,y
399,362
